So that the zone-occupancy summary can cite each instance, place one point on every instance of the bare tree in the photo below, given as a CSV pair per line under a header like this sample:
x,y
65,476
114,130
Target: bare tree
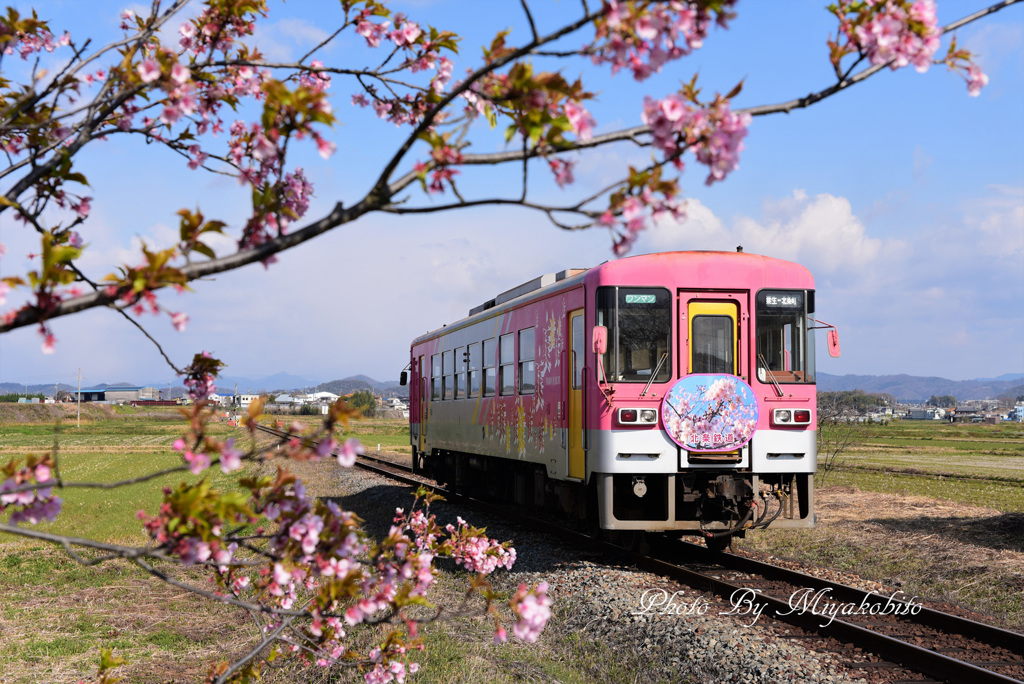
x,y
838,430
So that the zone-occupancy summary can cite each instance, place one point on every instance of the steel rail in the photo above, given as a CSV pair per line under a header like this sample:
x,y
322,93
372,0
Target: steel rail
x,y
923,660
928,617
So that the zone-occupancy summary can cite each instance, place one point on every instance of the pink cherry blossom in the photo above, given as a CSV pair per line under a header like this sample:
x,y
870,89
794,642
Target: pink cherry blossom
x,y
580,120
533,610
562,168
348,452
325,147
230,457
976,80
83,207
149,70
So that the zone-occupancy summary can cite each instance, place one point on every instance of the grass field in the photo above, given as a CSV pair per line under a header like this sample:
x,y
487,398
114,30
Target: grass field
x,y
981,465
933,509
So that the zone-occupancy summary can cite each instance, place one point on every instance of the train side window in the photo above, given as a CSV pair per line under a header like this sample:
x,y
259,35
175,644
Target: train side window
x,y
507,364
473,354
460,373
785,341
435,377
527,370
490,372
639,323
448,368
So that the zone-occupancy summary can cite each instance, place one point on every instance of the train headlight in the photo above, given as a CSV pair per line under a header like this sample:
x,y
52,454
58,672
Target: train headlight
x,y
648,416
783,416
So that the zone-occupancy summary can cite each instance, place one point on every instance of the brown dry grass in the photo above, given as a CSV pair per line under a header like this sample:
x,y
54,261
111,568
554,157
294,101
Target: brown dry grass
x,y
969,556
51,628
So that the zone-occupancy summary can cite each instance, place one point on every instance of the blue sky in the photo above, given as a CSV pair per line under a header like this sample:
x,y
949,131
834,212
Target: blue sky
x,y
903,196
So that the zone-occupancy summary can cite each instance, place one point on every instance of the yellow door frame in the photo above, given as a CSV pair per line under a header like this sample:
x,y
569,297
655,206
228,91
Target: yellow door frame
x,y
577,356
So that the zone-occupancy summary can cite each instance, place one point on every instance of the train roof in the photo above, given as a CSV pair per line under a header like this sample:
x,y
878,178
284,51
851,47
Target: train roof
x,y
707,264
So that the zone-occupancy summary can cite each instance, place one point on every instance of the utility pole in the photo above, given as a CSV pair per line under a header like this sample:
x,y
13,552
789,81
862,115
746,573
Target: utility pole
x,y
79,397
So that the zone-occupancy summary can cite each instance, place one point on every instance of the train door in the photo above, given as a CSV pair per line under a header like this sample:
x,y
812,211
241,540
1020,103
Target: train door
x,y
424,409
713,332
577,358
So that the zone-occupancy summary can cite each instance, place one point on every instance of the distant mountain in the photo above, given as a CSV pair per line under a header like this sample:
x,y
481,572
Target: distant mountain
x,y
904,387
917,389
1005,376
357,383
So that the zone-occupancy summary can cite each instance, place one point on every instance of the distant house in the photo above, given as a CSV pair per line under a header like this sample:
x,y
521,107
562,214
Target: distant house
x,y
126,395
1017,413
223,399
968,414
245,399
322,398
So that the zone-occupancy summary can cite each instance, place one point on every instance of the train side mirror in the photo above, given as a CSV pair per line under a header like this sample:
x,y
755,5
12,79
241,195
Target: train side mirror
x,y
833,343
403,379
600,339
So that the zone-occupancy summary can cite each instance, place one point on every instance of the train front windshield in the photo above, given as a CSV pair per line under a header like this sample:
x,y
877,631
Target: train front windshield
x,y
639,322
785,341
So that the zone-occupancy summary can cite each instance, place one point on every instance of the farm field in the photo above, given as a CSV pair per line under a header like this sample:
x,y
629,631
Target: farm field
x,y
942,529
995,451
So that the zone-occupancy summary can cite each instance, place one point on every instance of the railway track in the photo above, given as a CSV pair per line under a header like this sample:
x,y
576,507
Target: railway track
x,y
887,637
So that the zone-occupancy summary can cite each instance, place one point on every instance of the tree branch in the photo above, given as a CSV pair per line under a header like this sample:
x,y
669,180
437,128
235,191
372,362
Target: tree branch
x,y
377,199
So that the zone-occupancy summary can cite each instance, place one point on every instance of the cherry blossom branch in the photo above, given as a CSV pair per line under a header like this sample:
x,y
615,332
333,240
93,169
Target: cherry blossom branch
x,y
269,639
151,339
61,484
529,18
843,84
495,201
381,187
379,197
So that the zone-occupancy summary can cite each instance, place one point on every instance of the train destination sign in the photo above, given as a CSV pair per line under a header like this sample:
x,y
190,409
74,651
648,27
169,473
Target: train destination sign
x,y
710,412
641,299
782,300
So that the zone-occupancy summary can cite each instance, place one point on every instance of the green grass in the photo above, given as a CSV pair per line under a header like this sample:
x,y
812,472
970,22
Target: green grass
x,y
1007,497
991,454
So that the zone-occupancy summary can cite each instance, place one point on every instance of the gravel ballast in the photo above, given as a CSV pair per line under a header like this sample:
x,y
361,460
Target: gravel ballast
x,y
599,599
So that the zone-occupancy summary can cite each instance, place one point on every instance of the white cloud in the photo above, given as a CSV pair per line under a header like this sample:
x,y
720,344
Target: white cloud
x,y
820,232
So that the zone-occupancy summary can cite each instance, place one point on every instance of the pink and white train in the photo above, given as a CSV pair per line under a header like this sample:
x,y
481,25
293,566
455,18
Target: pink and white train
x,y
667,392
